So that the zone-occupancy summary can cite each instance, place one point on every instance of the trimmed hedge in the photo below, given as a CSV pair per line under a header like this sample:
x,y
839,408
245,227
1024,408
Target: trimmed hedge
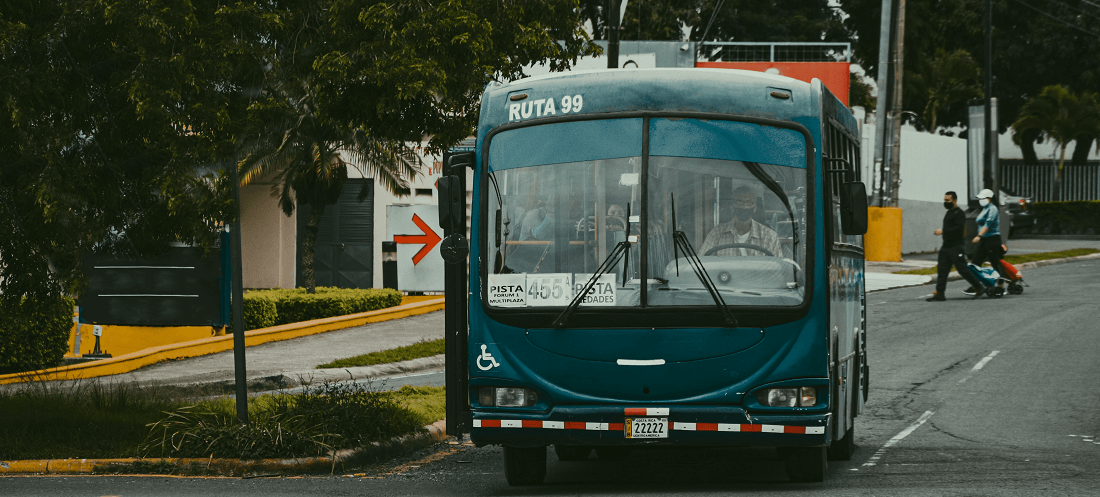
x,y
34,331
265,308
1067,218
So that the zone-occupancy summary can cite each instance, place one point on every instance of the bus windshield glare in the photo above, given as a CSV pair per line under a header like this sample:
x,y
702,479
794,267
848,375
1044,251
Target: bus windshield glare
x,y
736,190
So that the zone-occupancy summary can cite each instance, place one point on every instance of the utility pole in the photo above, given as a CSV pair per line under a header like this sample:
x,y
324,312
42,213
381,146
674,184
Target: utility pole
x,y
988,176
239,372
899,63
613,34
881,113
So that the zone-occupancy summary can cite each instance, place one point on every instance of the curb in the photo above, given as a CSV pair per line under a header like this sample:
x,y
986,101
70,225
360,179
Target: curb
x,y
211,345
433,433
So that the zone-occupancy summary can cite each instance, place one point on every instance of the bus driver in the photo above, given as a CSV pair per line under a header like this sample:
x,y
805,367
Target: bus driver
x,y
742,230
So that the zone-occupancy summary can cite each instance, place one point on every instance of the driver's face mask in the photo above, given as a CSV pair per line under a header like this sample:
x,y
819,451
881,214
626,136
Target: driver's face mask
x,y
742,213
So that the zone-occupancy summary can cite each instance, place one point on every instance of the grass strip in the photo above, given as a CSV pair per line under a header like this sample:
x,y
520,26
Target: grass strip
x,y
93,419
425,348
1019,259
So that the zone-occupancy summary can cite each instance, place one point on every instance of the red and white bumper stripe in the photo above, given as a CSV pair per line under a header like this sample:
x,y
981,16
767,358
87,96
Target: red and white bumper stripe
x,y
551,425
646,411
673,425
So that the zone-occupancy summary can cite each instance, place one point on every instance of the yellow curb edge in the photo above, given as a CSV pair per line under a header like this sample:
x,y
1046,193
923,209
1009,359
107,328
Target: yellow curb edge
x,y
203,346
435,432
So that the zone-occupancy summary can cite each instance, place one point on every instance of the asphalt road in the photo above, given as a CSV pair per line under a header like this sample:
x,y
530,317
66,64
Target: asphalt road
x,y
985,397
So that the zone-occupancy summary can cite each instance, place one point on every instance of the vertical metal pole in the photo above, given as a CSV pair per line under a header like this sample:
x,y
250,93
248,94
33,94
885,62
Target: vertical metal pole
x,y
881,104
613,34
987,160
899,63
238,304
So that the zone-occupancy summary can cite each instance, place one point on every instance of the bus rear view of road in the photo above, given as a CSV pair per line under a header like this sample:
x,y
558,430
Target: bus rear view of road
x,y
667,257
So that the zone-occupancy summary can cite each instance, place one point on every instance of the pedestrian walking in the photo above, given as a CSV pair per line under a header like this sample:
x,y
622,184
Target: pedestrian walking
x,y
952,253
988,239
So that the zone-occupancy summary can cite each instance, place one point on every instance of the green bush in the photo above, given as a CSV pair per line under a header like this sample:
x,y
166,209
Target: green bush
x,y
296,305
1067,218
264,308
34,331
308,424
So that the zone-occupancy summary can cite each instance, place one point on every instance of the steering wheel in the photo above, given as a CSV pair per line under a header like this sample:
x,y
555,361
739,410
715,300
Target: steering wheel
x,y
739,245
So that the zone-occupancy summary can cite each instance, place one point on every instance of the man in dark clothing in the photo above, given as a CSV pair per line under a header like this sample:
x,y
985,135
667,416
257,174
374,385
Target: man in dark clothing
x,y
952,252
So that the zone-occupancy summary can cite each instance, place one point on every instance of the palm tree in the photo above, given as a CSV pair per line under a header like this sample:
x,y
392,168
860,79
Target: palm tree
x,y
307,154
1062,116
954,78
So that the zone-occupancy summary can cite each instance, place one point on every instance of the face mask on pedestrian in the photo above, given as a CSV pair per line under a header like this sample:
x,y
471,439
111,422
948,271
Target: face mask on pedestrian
x,y
743,214
948,205
983,202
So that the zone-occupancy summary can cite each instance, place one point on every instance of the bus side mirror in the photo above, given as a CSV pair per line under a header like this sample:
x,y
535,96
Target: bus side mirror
x,y
452,208
853,208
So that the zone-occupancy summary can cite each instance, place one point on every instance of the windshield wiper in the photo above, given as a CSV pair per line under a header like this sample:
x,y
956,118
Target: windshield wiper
x,y
621,251
680,243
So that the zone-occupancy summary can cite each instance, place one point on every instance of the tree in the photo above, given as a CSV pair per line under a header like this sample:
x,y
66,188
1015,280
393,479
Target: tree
x,y
1060,115
953,79
1035,44
113,116
305,152
117,113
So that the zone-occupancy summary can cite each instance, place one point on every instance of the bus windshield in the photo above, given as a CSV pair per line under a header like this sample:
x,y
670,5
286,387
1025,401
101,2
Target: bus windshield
x,y
735,190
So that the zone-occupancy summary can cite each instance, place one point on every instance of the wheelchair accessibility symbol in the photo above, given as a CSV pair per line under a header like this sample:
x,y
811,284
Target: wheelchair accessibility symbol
x,y
485,356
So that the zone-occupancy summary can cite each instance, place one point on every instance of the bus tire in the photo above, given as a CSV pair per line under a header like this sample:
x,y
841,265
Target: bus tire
x,y
807,464
843,449
524,465
612,453
568,453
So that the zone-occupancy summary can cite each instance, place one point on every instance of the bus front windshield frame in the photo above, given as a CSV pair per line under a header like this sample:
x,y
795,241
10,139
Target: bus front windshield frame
x,y
561,197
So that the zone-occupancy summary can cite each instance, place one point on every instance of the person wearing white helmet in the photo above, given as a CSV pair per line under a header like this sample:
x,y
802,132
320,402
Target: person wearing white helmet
x,y
988,237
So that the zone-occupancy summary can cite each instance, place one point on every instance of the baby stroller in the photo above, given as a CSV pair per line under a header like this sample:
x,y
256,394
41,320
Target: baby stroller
x,y
989,278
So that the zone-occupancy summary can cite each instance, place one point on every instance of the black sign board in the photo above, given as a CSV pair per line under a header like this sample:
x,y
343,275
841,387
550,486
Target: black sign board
x,y
179,288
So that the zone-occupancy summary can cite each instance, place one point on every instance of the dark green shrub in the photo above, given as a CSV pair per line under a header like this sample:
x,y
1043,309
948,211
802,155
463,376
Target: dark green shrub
x,y
1067,218
259,312
34,331
295,306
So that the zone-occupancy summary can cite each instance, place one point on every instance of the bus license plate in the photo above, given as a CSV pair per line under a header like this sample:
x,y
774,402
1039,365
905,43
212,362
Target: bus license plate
x,y
646,427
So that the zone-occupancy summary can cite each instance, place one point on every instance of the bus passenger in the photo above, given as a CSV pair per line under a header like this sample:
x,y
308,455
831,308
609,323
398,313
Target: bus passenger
x,y
742,230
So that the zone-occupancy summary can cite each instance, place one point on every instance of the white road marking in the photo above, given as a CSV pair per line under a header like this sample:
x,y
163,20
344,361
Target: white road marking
x,y
897,438
981,364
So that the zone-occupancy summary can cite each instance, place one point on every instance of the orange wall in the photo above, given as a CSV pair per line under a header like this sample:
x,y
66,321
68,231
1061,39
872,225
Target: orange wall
x,y
833,74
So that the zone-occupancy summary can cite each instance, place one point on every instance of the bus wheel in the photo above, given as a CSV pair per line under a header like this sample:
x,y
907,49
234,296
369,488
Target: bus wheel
x,y
524,465
807,464
572,452
612,453
842,449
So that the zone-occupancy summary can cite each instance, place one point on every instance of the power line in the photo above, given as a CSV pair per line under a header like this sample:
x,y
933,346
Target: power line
x,y
1075,9
1083,30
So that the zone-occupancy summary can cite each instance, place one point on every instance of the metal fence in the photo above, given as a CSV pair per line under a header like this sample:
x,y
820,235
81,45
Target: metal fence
x,y
733,51
1037,181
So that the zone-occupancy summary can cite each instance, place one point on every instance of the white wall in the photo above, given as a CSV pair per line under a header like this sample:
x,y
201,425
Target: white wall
x,y
268,239
930,165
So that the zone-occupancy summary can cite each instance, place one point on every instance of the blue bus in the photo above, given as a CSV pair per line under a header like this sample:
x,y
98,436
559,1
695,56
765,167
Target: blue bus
x,y
665,257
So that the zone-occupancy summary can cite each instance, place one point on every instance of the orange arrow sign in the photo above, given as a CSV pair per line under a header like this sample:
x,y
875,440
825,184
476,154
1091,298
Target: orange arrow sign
x,y
429,239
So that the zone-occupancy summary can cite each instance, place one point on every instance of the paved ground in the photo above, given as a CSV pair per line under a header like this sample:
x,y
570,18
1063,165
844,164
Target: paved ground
x,y
298,358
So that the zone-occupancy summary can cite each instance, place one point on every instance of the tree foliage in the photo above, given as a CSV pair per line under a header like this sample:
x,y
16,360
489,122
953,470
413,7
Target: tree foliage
x,y
119,117
111,115
1062,116
1035,45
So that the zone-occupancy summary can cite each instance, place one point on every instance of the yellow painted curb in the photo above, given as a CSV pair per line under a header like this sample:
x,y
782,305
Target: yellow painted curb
x,y
434,432
211,345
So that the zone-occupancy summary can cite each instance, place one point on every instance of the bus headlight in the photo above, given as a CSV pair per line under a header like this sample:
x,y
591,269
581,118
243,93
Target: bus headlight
x,y
788,397
507,397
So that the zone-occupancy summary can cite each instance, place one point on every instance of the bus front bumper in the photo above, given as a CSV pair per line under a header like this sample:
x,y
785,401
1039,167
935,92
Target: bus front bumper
x,y
687,426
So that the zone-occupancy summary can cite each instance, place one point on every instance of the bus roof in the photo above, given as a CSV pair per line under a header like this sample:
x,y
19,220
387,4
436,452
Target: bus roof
x,y
724,91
